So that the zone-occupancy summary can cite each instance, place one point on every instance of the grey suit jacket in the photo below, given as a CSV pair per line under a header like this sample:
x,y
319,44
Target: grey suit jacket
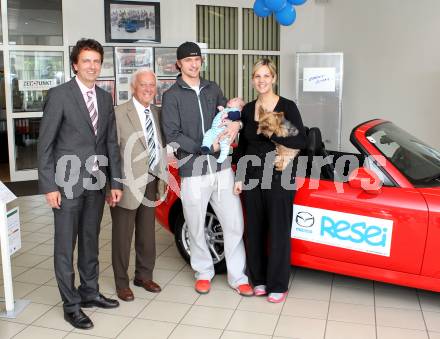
x,y
134,153
66,133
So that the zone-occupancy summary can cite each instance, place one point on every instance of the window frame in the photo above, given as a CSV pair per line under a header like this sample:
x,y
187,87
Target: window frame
x,y
240,51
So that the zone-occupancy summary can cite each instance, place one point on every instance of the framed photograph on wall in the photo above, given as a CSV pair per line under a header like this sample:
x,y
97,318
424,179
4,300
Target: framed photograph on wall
x,y
107,85
165,61
122,97
123,85
162,86
132,21
108,65
129,59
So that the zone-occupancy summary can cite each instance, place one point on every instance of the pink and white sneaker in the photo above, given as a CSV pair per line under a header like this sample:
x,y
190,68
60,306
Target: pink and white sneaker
x,y
277,297
260,290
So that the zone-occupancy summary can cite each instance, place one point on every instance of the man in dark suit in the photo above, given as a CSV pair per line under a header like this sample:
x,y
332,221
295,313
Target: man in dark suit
x,y
143,162
78,155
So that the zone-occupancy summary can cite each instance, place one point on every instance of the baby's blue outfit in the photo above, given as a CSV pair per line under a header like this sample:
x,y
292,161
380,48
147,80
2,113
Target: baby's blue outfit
x,y
214,131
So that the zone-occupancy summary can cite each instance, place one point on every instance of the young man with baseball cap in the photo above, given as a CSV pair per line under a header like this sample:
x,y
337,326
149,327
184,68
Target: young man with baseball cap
x,y
188,109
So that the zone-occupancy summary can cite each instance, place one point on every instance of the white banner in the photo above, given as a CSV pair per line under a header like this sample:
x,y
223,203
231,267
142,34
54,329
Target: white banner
x,y
36,85
319,79
14,230
351,231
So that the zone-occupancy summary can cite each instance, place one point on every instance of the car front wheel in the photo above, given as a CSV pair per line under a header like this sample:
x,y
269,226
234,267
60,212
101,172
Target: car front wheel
x,y
213,237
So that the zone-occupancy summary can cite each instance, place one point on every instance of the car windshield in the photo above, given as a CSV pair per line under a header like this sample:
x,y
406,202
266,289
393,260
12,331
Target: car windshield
x,y
419,162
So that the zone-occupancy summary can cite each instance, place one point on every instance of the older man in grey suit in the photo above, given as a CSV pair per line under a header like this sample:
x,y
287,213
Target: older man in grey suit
x,y
78,155
143,162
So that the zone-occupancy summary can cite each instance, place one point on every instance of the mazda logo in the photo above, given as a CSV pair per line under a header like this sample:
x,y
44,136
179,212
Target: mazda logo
x,y
305,219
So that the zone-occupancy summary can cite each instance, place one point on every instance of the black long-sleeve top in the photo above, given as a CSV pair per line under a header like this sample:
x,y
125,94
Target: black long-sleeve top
x,y
251,143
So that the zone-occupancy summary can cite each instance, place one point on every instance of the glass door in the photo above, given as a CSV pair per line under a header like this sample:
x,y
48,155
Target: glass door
x,y
32,50
4,156
32,74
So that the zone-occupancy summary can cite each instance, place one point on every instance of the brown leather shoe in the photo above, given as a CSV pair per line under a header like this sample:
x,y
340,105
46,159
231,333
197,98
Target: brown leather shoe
x,y
148,285
125,294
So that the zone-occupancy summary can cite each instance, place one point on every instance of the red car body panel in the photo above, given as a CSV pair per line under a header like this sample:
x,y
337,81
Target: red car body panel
x,y
163,212
409,229
431,263
414,258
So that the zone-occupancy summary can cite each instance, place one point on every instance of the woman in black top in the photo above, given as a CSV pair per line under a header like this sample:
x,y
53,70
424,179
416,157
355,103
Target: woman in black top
x,y
268,205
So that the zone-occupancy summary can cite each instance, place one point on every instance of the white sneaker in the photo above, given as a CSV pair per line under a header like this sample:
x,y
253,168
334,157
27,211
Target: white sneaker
x,y
260,290
277,297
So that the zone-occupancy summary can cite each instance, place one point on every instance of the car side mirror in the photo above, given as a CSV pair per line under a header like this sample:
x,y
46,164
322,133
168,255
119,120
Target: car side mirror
x,y
366,179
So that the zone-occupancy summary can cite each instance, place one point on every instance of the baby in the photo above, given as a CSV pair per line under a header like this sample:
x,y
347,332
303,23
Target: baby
x,y
231,112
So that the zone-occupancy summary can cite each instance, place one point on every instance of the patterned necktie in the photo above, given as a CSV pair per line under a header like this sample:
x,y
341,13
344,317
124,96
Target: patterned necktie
x,y
151,145
92,111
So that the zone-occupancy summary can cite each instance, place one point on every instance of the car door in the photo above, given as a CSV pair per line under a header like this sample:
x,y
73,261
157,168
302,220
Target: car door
x,y
387,230
431,260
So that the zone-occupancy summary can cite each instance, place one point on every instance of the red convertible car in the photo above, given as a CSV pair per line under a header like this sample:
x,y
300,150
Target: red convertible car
x,y
374,214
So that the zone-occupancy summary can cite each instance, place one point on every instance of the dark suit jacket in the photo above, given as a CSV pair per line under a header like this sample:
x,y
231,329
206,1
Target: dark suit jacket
x,y
66,130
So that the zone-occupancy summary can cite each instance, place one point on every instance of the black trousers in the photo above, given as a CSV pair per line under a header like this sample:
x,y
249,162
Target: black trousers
x,y
269,222
124,223
78,218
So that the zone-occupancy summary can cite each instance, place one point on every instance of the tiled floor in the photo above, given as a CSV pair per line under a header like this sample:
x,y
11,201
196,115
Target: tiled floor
x,y
319,305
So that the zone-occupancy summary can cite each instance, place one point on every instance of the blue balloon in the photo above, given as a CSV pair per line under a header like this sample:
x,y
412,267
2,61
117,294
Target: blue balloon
x,y
296,2
260,9
286,16
275,5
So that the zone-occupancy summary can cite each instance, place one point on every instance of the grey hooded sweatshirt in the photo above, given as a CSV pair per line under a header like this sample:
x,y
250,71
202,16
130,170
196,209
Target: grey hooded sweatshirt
x,y
185,117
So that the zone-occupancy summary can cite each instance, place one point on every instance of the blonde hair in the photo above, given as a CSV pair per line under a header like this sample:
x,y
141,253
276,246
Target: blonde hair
x,y
265,62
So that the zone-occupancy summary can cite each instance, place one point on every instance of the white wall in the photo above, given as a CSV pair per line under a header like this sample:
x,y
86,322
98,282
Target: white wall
x,y
305,35
391,52
178,24
391,62
177,19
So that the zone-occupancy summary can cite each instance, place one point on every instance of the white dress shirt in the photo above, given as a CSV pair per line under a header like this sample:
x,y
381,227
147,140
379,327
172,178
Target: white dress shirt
x,y
140,109
84,89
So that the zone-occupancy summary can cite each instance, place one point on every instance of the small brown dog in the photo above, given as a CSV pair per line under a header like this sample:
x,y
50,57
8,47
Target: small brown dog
x,y
270,123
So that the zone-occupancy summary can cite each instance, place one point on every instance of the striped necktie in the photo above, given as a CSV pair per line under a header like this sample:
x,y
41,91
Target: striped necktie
x,y
92,111
151,144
